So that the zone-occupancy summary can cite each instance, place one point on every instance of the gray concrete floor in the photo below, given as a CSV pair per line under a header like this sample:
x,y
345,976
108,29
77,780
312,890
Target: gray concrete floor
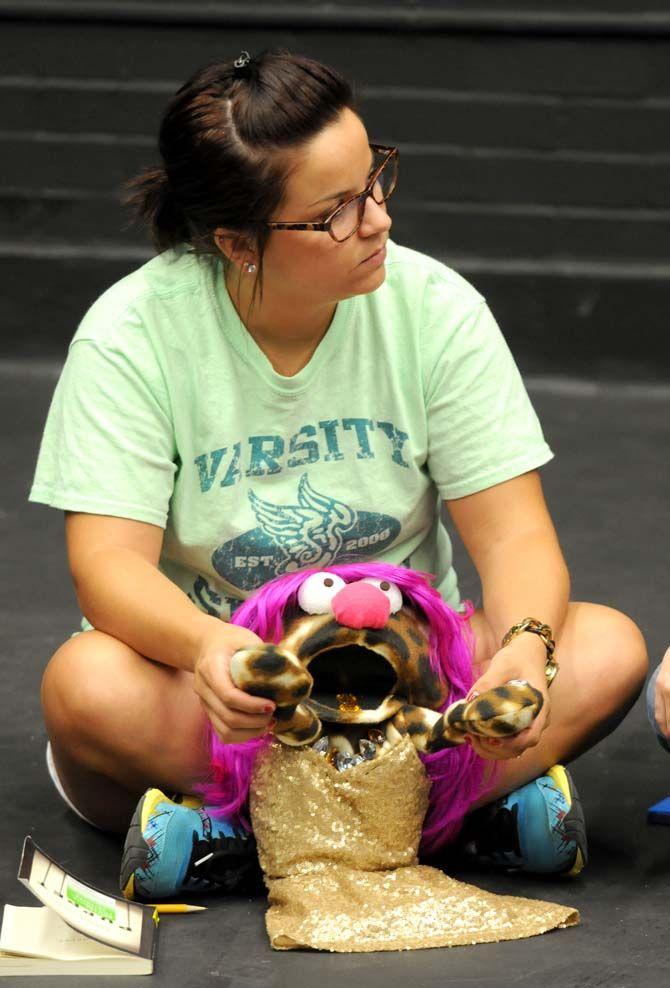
x,y
608,491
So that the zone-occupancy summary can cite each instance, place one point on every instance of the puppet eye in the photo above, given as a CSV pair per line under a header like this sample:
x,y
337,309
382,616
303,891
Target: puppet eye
x,y
393,592
317,592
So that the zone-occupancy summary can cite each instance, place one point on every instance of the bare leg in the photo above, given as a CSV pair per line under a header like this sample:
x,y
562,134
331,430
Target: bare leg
x,y
603,663
118,724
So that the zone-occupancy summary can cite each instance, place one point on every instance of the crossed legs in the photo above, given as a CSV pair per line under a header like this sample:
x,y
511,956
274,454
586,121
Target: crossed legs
x,y
120,723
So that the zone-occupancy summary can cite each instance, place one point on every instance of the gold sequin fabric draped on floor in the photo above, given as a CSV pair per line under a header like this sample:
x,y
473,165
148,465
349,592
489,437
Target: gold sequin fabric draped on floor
x,y
339,855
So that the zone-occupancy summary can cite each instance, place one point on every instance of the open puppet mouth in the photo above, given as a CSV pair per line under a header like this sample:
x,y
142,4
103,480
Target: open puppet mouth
x,y
352,684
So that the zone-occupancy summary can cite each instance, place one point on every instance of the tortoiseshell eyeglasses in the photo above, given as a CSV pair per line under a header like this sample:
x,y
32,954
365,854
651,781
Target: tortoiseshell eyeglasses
x,y
346,218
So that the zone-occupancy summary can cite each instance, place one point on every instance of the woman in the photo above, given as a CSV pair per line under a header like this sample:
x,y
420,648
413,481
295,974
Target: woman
x,y
281,386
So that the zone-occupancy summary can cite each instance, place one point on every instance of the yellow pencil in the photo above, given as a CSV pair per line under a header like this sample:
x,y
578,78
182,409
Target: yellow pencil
x,y
175,907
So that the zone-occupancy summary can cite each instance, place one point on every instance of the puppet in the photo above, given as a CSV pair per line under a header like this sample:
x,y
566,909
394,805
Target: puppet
x,y
369,670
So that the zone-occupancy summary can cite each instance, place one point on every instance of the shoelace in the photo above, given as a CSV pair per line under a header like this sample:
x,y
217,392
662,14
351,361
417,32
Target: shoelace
x,y
227,862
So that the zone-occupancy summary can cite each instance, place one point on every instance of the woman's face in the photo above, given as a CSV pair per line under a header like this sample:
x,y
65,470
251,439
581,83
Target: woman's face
x,y
332,167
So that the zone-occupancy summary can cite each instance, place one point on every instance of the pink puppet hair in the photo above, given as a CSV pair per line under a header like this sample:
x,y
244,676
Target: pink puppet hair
x,y
455,773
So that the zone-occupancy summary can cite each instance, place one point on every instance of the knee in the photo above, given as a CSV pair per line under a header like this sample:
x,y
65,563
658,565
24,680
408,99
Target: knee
x,y
630,650
623,659
610,667
81,684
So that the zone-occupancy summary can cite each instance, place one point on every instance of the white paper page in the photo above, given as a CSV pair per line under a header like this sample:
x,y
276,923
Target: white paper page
x,y
37,931
116,922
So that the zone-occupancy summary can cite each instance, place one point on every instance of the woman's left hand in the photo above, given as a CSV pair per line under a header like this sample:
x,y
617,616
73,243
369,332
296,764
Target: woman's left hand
x,y
524,658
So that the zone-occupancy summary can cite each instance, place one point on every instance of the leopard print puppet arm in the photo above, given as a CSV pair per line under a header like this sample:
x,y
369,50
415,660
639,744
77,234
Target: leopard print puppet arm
x,y
499,713
277,674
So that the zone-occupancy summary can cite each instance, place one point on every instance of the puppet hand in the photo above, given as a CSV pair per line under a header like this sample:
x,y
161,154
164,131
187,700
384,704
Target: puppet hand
x,y
500,712
235,716
277,674
522,659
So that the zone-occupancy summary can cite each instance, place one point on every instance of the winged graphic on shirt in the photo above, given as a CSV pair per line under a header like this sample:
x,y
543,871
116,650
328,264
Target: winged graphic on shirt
x,y
307,533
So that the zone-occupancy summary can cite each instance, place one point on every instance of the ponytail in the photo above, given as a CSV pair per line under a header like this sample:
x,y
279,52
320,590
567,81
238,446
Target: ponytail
x,y
152,202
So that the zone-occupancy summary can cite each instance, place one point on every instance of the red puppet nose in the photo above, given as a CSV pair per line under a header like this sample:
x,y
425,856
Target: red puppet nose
x,y
361,605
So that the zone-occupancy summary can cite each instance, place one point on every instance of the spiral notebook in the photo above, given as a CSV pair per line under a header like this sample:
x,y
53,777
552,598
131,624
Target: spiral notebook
x,y
77,930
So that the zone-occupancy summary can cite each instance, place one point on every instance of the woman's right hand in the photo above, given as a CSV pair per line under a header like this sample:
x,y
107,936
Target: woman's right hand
x,y
235,716
662,696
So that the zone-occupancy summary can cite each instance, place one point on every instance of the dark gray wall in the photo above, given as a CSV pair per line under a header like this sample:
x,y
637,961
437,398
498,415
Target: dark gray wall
x,y
534,141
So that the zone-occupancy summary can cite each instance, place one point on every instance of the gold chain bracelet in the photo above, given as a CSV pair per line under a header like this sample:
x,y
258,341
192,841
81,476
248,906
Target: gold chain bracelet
x,y
544,632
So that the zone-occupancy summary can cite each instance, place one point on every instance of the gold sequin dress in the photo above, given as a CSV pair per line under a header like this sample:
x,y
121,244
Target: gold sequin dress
x,y
339,855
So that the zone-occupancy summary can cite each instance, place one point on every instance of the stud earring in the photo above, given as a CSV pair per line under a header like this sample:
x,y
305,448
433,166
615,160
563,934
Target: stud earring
x,y
249,267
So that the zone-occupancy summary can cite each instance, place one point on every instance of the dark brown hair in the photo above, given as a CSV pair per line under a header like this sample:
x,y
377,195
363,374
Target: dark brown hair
x,y
221,140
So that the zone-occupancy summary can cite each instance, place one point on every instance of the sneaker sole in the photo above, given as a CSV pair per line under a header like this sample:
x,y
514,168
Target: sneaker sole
x,y
574,819
136,849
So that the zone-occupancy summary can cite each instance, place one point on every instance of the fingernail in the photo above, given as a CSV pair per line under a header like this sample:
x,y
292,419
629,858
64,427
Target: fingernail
x,y
268,709
467,739
471,695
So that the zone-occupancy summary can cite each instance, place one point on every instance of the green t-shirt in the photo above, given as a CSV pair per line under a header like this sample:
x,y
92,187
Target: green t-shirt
x,y
168,412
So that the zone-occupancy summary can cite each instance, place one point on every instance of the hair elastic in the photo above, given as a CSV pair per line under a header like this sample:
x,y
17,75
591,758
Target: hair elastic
x,y
242,66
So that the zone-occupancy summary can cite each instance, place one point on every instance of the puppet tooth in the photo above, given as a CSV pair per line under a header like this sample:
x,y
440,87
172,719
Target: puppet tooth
x,y
368,749
322,745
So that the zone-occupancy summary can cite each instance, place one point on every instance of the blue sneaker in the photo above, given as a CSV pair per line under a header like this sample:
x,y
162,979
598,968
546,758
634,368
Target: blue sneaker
x,y
174,846
538,828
